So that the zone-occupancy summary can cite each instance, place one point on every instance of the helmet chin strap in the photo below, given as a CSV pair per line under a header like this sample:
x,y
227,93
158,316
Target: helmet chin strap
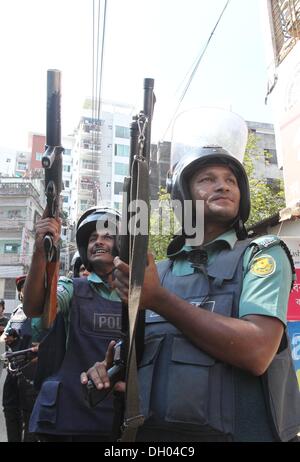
x,y
113,252
104,277
240,229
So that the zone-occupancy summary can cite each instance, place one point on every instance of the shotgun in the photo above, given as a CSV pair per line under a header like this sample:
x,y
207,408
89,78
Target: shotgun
x,y
52,163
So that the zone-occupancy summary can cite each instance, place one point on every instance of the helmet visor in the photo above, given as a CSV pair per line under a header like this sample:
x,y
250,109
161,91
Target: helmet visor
x,y
207,126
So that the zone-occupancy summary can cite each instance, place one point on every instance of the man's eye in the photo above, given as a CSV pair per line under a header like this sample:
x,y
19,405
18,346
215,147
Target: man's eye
x,y
232,180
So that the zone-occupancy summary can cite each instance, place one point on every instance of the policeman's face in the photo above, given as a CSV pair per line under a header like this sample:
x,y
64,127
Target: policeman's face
x,y
83,272
217,186
21,296
100,247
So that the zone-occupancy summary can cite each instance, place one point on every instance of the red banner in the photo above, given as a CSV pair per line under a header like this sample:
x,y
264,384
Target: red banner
x,y
294,300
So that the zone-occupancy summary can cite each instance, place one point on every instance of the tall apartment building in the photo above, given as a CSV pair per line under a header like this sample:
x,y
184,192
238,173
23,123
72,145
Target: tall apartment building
x,y
27,165
101,157
265,162
21,204
159,166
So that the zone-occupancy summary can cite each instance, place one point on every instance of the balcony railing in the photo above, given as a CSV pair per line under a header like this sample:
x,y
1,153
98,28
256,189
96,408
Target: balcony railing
x,y
15,223
14,259
19,189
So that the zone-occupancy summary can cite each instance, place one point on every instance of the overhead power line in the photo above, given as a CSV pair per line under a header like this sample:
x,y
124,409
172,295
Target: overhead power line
x,y
194,70
99,24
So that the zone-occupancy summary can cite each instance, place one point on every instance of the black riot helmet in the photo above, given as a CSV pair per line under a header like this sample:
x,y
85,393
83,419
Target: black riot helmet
x,y
209,136
209,155
96,218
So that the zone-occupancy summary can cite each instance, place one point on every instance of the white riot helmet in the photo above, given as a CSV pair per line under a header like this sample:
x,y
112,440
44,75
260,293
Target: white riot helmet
x,y
204,136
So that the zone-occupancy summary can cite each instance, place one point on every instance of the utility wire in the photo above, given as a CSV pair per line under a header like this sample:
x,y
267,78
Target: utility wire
x,y
194,70
99,21
93,60
101,61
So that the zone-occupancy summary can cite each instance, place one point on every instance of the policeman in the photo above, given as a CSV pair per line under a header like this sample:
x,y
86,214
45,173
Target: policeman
x,y
79,270
18,391
217,365
90,310
3,318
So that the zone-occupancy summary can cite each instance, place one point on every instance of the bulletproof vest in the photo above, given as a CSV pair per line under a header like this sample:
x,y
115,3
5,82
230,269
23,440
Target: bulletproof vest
x,y
22,325
60,407
182,387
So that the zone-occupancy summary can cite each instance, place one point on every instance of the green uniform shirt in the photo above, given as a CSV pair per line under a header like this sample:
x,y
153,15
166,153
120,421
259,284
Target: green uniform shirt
x,y
267,277
65,292
36,329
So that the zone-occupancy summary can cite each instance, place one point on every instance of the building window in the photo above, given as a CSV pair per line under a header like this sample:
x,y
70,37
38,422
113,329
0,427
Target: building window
x,y
83,205
122,132
14,214
118,187
67,168
10,288
65,199
270,156
38,156
67,152
86,186
122,150
21,166
87,164
11,247
67,183
286,26
274,184
121,169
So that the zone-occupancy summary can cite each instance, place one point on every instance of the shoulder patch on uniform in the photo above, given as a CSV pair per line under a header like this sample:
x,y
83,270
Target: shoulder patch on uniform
x,y
263,266
65,279
266,241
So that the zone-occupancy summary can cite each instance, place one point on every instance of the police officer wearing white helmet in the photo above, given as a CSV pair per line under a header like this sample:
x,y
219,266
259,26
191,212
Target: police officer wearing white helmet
x,y
79,270
217,364
90,310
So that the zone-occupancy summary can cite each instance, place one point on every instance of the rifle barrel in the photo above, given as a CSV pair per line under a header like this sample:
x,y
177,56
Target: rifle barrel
x,y
148,111
53,107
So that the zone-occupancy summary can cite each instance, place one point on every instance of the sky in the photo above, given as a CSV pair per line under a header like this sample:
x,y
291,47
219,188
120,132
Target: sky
x,y
160,39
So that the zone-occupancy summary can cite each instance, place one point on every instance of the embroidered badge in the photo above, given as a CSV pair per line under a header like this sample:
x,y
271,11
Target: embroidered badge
x,y
263,266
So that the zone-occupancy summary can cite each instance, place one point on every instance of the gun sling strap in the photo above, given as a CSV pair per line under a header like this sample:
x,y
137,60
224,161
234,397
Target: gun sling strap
x,y
137,262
